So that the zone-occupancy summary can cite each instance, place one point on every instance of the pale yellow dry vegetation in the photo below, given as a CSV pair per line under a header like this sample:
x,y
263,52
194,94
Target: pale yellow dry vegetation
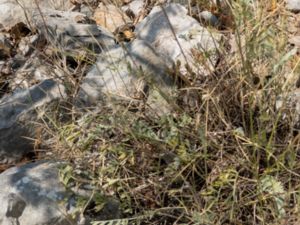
x,y
227,154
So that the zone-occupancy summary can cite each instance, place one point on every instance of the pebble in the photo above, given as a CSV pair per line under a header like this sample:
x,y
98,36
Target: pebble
x,y
293,5
209,18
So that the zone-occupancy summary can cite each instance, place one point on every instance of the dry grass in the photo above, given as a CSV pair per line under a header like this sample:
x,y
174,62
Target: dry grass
x,y
231,157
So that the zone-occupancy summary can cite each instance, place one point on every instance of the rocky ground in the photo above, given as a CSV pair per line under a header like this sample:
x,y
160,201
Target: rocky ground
x,y
149,112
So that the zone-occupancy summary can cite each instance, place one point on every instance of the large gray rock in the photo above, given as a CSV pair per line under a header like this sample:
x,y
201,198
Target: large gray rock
x,y
13,12
123,71
64,29
71,30
33,195
293,5
17,114
172,32
30,195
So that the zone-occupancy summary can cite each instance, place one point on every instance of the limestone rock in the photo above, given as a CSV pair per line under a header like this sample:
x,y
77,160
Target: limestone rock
x,y
32,72
64,29
172,32
28,44
119,72
17,112
13,12
31,195
71,30
295,40
209,18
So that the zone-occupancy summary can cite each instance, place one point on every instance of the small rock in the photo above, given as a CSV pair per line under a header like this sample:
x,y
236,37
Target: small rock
x,y
28,44
293,5
209,18
133,8
110,17
295,40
